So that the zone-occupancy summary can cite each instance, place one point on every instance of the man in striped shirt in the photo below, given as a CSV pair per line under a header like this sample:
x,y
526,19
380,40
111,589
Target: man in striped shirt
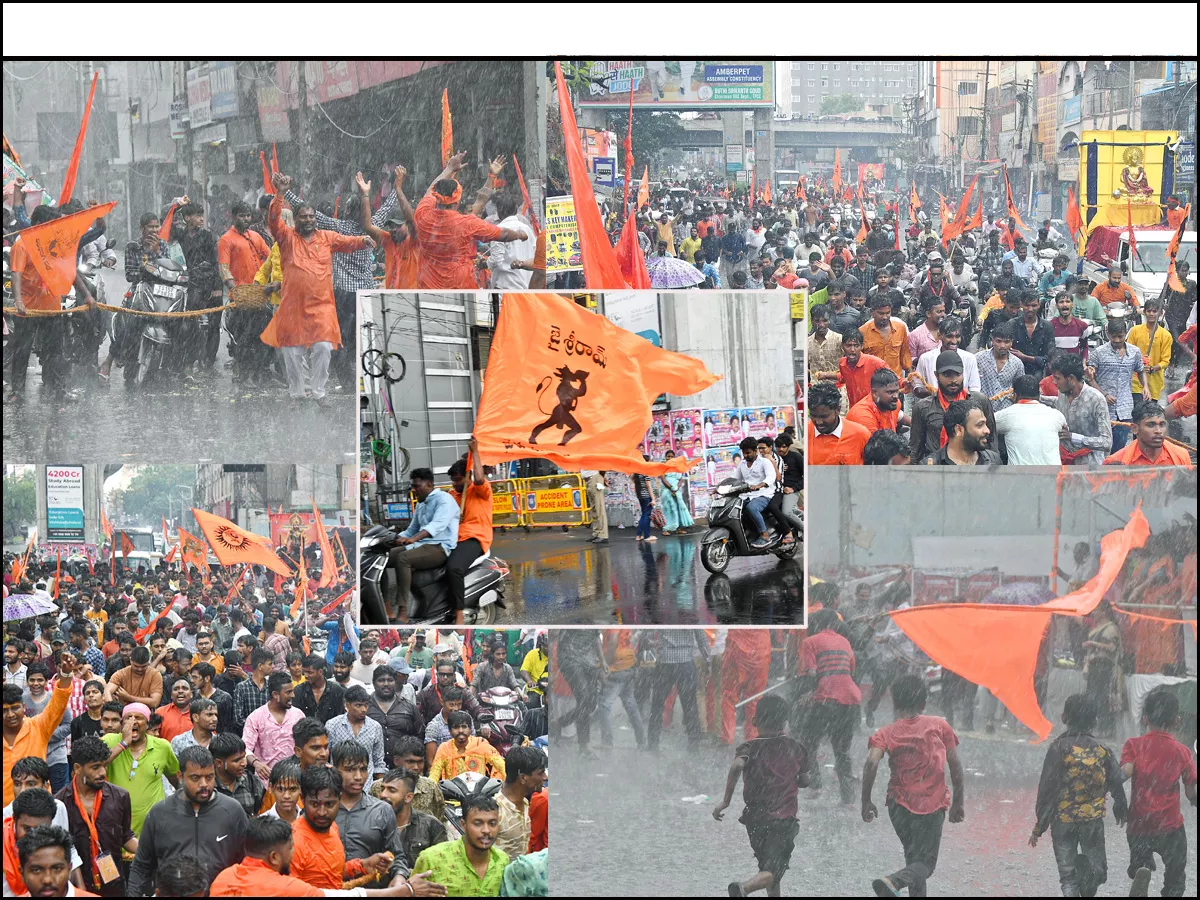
x,y
827,667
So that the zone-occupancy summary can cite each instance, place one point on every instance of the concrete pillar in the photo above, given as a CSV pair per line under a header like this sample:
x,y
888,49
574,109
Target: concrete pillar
x,y
93,477
764,142
733,132
533,159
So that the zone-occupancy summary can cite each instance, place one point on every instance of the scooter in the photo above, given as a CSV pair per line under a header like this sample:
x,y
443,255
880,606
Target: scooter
x,y
430,603
144,343
457,789
501,715
727,531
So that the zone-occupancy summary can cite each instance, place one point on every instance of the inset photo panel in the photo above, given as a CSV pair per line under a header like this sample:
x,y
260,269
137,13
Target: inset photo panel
x,y
627,457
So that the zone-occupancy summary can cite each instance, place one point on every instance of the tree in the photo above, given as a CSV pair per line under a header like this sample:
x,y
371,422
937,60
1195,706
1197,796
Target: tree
x,y
145,501
842,103
20,504
653,132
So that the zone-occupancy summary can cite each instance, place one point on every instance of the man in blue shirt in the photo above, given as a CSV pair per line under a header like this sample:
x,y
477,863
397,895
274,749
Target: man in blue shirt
x,y
429,537
1057,277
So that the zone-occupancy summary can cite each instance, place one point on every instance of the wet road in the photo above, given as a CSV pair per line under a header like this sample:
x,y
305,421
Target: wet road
x,y
207,419
561,579
622,827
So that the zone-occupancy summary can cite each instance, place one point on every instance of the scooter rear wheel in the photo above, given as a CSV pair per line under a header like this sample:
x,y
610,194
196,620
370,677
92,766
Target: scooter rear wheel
x,y
715,556
482,617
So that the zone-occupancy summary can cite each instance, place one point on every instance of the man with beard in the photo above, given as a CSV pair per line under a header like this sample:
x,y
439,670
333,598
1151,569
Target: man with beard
x,y
880,410
305,326
397,715
928,436
418,831
968,438
197,819
366,825
1149,446
95,805
240,253
472,866
268,730
832,440
950,334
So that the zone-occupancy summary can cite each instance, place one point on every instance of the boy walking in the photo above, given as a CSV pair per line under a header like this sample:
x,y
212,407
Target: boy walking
x,y
919,747
827,669
1157,762
1077,774
775,767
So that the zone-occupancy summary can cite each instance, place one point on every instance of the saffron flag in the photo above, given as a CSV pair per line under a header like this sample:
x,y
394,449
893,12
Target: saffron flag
x,y
57,574
837,171
959,223
126,546
528,210
767,192
628,158
567,385
1009,202
105,525
997,646
336,602
275,159
192,551
914,202
864,227
11,152
233,545
600,267
643,195
153,623
53,246
164,233
166,541
267,186
1073,217
77,153
753,185
237,585
1173,280
170,557
631,259
801,190
447,128
1133,251
301,590
328,560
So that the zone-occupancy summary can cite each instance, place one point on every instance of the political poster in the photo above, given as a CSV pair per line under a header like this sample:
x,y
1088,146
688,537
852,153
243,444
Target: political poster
x,y
687,433
563,250
687,84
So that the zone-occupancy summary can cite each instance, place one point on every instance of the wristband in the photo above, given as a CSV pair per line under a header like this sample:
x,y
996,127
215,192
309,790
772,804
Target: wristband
x,y
124,746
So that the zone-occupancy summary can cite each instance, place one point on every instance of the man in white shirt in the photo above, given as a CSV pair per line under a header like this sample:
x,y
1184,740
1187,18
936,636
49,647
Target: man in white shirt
x,y
756,473
1030,428
950,331
511,263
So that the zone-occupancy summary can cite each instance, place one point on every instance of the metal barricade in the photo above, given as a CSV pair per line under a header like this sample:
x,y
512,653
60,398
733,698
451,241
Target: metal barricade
x,y
508,507
555,500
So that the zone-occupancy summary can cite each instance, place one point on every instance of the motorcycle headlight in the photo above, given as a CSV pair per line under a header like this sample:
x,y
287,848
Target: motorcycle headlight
x,y
154,270
168,275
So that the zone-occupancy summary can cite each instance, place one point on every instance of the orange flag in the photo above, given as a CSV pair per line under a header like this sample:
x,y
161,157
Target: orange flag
x,y
976,220
1133,251
126,545
753,185
267,186
643,195
57,574
164,232
837,171
170,557
73,168
237,585
997,646
11,152
567,385
525,196
193,551
914,202
1173,281
801,192
767,191
447,128
233,545
328,560
1008,200
600,267
864,227
628,157
338,540
164,525
274,158
631,259
105,525
1073,218
301,588
52,247
959,223
152,624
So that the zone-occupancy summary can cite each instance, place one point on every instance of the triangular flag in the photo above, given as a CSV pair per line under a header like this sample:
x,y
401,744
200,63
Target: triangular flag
x,y
233,545
447,128
1073,218
1009,202
328,561
126,546
267,186
164,231
73,167
643,195
53,246
193,552
1173,280
630,257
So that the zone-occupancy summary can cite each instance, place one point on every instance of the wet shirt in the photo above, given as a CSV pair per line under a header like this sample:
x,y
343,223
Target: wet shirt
x,y
476,521
1077,774
448,241
867,414
478,756
401,263
254,878
1159,762
916,750
770,777
242,253
857,378
841,447
143,777
34,293
318,858
1114,376
828,655
448,865
892,349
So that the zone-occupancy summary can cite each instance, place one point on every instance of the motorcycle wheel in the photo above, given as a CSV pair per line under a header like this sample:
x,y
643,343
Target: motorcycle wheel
x,y
482,617
790,551
715,557
149,362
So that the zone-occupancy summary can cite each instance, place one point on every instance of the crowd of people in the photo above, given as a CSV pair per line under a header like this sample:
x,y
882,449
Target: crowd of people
x,y
305,266
171,735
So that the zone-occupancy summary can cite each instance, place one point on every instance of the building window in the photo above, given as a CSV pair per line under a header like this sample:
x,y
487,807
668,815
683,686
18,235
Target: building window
x,y
824,67
812,67
825,82
812,82
837,66
837,83
812,98
968,125
968,88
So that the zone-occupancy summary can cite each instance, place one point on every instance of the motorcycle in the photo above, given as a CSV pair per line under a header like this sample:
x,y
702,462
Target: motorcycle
x,y
430,603
82,333
457,789
144,343
501,715
727,531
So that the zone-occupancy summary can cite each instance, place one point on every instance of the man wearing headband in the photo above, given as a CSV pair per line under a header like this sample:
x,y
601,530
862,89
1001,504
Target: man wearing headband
x,y
448,238
138,761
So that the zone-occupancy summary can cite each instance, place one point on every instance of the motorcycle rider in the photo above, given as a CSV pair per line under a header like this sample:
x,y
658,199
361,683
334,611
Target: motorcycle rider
x,y
1058,277
1025,266
496,671
992,255
962,276
474,527
428,540
759,476
204,286
935,288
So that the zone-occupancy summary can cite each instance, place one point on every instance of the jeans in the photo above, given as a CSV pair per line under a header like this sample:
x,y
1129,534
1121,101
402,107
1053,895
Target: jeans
x,y
1073,839
1100,675
791,510
666,676
643,525
1172,847
755,506
47,333
620,684
585,684
457,564
595,491
344,360
60,773
921,837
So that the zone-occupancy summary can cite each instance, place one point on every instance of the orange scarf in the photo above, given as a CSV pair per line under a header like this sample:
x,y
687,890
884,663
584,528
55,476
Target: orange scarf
x,y
449,200
962,395
90,821
12,862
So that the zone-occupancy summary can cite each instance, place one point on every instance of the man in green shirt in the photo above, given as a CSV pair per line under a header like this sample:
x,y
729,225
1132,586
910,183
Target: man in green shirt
x,y
420,656
138,761
470,866
1086,306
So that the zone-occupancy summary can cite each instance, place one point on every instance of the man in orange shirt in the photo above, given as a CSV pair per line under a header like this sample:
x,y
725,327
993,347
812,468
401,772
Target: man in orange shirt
x,y
240,254
474,524
305,326
319,857
1149,446
176,715
465,752
30,735
745,664
887,337
401,250
832,441
44,332
1115,290
448,237
1175,214
881,408
856,368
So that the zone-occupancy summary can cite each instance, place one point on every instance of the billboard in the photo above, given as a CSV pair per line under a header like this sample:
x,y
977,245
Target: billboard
x,y
64,504
683,84
563,251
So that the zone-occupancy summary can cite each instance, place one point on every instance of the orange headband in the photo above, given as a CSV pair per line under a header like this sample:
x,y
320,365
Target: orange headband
x,y
449,200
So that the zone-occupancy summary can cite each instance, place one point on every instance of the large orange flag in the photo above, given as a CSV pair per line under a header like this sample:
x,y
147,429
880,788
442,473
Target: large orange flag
x,y
328,560
959,223
126,546
1073,219
268,188
53,246
630,257
767,191
193,551
1009,202
600,267
447,128
997,646
73,168
914,202
234,546
628,157
837,171
105,525
567,385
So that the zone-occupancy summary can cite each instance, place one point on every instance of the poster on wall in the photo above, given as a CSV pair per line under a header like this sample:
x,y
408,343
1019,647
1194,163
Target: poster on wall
x,y
721,463
658,437
687,434
722,427
760,422
64,504
563,250
698,487
686,84
785,416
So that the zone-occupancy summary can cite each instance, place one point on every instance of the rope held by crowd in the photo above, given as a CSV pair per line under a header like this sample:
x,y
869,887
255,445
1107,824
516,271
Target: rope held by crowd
x,y
248,296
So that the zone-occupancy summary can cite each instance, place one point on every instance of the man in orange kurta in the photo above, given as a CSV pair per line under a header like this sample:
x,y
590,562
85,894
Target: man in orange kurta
x,y
306,326
448,237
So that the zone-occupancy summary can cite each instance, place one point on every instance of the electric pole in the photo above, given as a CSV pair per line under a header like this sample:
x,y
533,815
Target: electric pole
x,y
302,122
987,70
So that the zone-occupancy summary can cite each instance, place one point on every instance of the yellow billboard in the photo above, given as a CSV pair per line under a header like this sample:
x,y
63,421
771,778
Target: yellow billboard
x,y
1122,175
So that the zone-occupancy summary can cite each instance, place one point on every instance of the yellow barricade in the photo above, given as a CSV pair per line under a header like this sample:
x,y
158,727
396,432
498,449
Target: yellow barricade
x,y
555,500
508,508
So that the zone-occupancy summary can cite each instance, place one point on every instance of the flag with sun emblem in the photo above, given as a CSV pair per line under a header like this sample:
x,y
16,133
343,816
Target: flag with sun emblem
x,y
235,546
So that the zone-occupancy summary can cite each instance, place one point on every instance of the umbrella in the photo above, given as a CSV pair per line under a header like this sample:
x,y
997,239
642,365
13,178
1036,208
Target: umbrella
x,y
1020,593
26,606
669,272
